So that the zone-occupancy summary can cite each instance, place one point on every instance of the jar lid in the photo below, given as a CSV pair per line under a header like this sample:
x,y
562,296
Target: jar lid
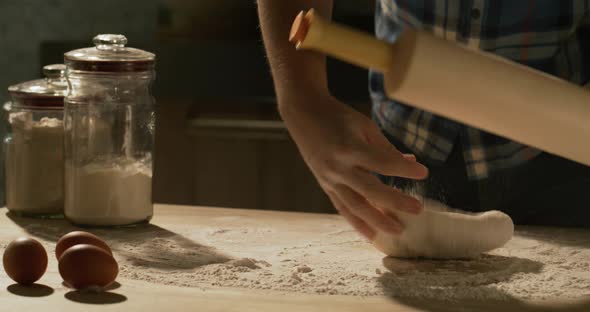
x,y
110,55
42,92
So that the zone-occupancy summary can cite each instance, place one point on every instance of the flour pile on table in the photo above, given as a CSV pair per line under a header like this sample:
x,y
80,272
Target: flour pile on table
x,y
538,263
531,266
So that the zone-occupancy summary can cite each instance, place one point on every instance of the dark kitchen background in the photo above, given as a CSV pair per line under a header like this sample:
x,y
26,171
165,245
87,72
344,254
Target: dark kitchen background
x,y
220,141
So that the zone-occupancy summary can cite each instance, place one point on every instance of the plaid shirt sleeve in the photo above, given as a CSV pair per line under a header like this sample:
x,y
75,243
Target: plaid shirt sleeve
x,y
551,36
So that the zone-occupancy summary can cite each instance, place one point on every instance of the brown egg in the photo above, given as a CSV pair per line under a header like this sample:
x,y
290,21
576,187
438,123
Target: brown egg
x,y
85,265
25,260
79,237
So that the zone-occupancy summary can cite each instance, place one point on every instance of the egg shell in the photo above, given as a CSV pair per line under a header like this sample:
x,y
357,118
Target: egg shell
x,y
79,237
25,260
82,266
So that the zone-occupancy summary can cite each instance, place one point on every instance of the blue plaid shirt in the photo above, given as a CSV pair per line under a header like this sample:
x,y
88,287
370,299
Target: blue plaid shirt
x,y
550,35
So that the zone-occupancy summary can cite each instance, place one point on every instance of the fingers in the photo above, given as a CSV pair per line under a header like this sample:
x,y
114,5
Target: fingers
x,y
362,209
388,162
358,224
411,157
384,158
385,196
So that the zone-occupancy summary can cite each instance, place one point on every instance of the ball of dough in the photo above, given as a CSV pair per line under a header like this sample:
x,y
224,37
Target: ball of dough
x,y
442,233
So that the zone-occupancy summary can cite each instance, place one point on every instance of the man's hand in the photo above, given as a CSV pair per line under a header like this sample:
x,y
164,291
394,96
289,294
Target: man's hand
x,y
341,146
343,149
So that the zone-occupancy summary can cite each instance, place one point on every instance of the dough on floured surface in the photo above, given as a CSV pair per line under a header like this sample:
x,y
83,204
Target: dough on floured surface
x,y
444,233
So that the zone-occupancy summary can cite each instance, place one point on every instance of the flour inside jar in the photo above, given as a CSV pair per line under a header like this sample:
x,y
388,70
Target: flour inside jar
x,y
109,193
34,165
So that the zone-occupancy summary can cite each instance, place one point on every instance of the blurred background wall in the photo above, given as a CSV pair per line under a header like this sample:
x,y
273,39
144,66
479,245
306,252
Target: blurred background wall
x,y
220,141
26,24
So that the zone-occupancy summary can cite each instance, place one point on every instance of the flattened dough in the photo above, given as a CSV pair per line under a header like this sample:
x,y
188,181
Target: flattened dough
x,y
442,233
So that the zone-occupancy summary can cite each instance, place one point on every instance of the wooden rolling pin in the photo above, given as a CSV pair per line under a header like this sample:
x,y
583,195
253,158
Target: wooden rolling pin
x,y
473,87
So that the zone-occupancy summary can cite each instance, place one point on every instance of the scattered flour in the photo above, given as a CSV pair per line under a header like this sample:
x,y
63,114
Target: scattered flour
x,y
537,264
531,266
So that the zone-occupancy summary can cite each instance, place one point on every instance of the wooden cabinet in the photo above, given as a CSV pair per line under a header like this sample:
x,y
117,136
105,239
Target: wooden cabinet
x,y
254,172
231,162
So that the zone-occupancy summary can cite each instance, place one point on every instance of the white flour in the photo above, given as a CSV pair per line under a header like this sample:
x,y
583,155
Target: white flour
x,y
537,264
108,194
340,263
34,165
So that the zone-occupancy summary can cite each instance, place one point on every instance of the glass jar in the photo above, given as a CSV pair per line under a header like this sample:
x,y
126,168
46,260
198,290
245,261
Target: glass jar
x,y
34,145
109,134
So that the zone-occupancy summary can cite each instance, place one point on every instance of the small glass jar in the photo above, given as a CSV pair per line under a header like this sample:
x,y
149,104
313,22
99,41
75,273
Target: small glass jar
x,y
34,145
109,134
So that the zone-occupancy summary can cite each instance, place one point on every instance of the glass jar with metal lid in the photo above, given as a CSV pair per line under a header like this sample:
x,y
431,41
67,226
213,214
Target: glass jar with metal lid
x,y
34,145
109,134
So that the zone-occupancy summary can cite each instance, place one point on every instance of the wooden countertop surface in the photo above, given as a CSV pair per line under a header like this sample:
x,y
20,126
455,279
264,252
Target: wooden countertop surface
x,y
133,295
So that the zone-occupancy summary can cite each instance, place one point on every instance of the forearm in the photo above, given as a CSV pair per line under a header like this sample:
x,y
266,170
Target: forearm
x,y
293,71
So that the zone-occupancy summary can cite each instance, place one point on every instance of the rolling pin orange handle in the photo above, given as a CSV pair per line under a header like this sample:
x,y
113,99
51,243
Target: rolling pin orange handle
x,y
340,41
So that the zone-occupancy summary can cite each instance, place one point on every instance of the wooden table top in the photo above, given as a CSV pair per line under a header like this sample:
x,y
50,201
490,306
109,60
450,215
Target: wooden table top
x,y
134,295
